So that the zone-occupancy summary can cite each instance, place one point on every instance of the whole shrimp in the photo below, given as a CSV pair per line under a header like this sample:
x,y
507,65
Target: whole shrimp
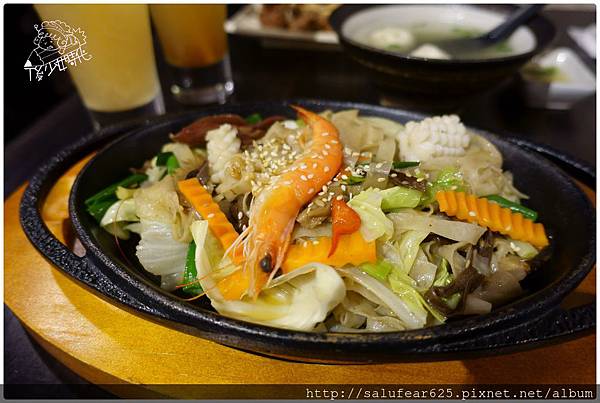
x,y
274,212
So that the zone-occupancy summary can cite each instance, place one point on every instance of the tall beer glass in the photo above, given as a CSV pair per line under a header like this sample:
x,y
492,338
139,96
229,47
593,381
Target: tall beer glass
x,y
194,44
120,80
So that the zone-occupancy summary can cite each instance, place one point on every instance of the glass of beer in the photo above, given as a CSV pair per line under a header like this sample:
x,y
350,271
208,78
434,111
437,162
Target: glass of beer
x,y
194,44
118,79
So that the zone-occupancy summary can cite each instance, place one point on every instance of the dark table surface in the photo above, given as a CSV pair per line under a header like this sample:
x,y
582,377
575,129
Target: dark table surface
x,y
272,74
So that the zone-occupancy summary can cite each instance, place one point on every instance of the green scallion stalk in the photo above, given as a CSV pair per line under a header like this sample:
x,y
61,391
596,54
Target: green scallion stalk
x,y
162,158
172,164
110,190
190,273
515,207
254,118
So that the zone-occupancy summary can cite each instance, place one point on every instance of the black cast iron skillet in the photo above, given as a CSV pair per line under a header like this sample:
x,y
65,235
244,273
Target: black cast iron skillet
x,y
533,320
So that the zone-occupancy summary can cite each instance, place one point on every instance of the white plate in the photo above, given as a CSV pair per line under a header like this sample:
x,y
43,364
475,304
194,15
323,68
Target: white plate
x,y
246,22
579,81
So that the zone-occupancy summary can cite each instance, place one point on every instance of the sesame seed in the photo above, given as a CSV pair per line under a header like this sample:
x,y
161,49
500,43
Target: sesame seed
x,y
326,168
340,197
327,146
334,141
304,244
324,199
325,152
311,190
343,188
420,179
303,166
379,165
310,176
344,177
315,242
240,215
394,175
380,179
211,215
325,134
303,177
314,165
472,214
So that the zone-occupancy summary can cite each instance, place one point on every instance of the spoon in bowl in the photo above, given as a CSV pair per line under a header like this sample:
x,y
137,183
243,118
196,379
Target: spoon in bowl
x,y
471,45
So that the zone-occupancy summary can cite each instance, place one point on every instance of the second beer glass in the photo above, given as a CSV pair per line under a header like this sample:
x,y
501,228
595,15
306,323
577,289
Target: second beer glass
x,y
194,44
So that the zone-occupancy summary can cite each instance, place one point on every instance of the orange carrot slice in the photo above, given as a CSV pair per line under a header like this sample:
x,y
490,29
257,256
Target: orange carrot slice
x,y
218,223
469,208
351,249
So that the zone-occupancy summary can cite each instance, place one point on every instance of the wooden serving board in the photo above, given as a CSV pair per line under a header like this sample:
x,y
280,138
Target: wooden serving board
x,y
109,345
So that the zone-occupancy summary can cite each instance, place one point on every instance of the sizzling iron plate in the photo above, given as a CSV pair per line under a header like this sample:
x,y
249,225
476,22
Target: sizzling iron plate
x,y
527,322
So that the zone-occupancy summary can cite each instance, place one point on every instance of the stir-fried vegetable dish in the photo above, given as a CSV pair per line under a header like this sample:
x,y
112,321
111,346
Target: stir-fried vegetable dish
x,y
329,222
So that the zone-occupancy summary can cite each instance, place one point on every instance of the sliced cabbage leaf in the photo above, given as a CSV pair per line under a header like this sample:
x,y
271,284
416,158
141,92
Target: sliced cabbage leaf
x,y
405,287
400,197
408,248
187,158
118,216
450,253
449,178
157,251
356,311
298,300
423,271
408,219
476,306
374,223
443,277
523,249
159,202
389,127
124,193
412,316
